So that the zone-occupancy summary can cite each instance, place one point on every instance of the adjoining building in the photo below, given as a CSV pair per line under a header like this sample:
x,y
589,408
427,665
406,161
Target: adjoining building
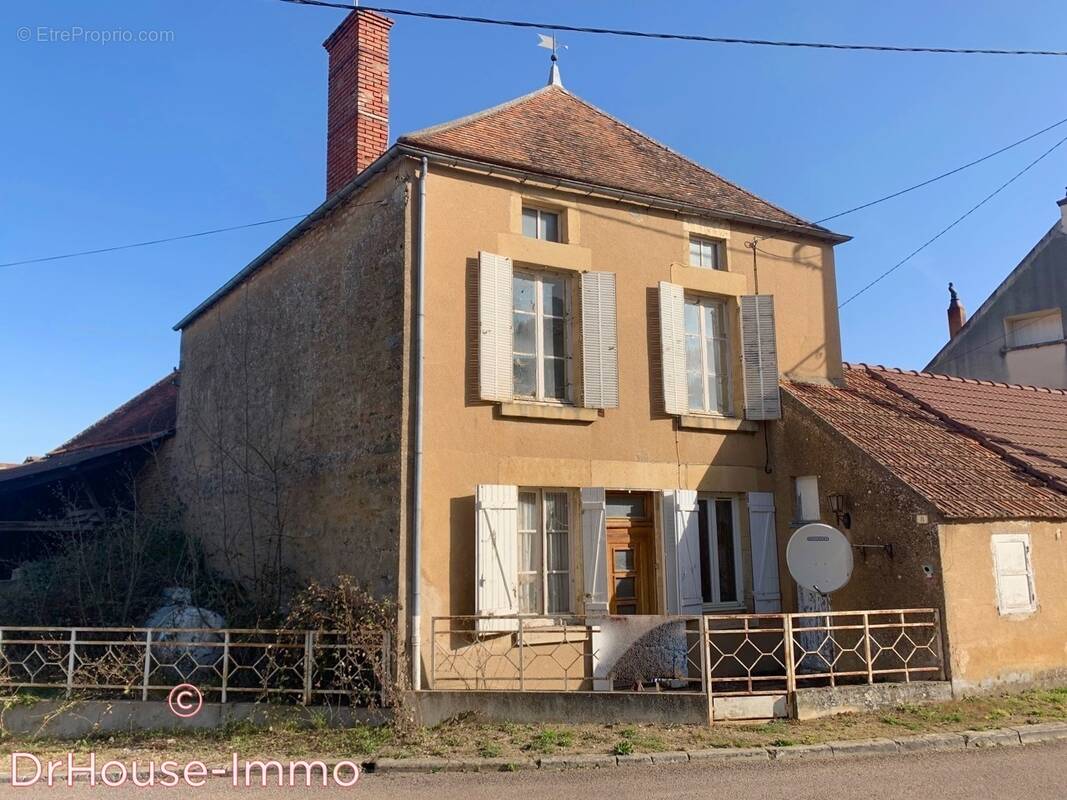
x,y
1017,334
954,494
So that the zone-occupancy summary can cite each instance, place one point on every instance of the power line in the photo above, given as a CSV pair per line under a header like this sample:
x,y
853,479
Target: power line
x,y
684,37
956,222
942,175
151,241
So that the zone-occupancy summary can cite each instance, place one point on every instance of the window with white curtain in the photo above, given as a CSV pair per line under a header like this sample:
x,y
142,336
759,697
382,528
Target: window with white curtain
x,y
720,551
541,341
544,576
706,253
706,355
540,224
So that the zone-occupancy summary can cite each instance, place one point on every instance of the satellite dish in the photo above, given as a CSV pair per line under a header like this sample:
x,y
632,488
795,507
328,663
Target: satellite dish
x,y
819,558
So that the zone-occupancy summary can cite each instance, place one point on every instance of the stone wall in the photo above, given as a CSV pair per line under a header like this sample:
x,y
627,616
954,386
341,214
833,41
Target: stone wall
x,y
292,413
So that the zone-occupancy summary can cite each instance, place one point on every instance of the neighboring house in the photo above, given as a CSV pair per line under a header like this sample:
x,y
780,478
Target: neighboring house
x,y
520,363
954,495
74,486
1017,335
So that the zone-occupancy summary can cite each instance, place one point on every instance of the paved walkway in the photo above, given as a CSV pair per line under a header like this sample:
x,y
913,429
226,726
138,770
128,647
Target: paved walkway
x,y
1035,772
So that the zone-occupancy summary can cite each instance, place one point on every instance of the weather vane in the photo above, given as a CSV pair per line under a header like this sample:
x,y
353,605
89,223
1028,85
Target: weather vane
x,y
551,43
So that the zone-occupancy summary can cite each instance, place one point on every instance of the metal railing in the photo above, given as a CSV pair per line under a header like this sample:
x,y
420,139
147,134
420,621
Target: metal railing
x,y
566,652
730,654
779,653
226,664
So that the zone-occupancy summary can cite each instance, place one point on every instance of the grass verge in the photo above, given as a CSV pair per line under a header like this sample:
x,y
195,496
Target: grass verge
x,y
470,738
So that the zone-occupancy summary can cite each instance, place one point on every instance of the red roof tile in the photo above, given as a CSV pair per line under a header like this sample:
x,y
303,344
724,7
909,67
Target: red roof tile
x,y
154,411
938,454
551,132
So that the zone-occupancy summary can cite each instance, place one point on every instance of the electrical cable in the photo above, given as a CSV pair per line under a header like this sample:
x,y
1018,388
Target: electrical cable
x,y
684,37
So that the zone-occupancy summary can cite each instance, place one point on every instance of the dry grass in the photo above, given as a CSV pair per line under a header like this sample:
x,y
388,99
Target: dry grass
x,y
467,737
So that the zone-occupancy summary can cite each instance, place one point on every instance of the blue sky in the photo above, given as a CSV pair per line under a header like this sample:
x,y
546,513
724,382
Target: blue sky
x,y
225,124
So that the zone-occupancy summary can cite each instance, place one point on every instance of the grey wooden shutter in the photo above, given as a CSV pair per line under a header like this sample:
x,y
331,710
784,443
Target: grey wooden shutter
x,y
759,356
672,344
600,350
766,589
681,539
496,555
494,327
595,550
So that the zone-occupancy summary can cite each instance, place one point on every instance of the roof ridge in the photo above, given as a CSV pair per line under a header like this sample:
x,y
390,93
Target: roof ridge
x,y
974,434
959,379
689,160
477,115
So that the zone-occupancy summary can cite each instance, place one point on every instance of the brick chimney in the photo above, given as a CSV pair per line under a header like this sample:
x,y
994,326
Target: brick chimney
x,y
957,314
357,119
1063,213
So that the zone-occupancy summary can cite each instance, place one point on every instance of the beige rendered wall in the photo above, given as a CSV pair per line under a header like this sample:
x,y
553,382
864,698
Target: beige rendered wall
x,y
468,442
292,412
989,649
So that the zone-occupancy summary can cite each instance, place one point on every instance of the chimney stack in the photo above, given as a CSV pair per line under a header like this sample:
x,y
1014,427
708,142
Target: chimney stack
x,y
357,119
1063,213
957,314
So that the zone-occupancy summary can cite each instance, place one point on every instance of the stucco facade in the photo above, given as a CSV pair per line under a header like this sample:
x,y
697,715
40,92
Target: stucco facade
x,y
1017,334
635,447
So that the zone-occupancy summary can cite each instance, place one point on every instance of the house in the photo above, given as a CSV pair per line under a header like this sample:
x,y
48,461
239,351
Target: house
x,y
1017,334
953,493
524,362
75,485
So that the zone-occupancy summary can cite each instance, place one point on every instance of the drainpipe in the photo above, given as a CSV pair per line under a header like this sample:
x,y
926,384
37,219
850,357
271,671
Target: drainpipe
x,y
416,539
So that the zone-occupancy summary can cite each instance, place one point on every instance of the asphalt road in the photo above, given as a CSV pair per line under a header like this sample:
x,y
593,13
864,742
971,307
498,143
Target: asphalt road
x,y
1035,772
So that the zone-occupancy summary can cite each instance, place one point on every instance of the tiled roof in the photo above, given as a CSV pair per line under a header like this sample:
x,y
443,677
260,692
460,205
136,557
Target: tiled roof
x,y
154,411
936,435
553,133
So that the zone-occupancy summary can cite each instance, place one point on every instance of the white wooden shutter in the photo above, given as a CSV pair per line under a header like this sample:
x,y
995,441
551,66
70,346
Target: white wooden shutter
x,y
672,344
681,538
766,588
759,357
494,327
600,353
595,550
497,555
1014,573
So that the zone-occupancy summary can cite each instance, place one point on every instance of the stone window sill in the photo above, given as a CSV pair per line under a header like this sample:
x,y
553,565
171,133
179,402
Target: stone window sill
x,y
549,411
721,424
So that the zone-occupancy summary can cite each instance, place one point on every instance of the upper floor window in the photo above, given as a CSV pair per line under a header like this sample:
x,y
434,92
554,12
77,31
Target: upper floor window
x,y
544,551
540,344
706,253
706,355
1044,326
540,224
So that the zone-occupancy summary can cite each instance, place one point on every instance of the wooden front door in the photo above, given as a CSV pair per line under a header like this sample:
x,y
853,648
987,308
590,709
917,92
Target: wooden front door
x,y
630,566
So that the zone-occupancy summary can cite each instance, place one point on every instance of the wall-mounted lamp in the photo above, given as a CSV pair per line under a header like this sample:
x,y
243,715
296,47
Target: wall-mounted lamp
x,y
839,505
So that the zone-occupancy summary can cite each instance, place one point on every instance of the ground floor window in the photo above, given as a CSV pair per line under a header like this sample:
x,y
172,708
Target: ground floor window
x,y
544,576
720,550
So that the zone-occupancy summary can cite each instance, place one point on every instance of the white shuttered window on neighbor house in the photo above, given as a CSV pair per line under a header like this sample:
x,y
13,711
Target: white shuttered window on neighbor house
x,y
1014,573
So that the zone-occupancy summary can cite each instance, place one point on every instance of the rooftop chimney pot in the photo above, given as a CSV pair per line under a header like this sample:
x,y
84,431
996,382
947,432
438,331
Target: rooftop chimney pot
x,y
357,120
957,314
